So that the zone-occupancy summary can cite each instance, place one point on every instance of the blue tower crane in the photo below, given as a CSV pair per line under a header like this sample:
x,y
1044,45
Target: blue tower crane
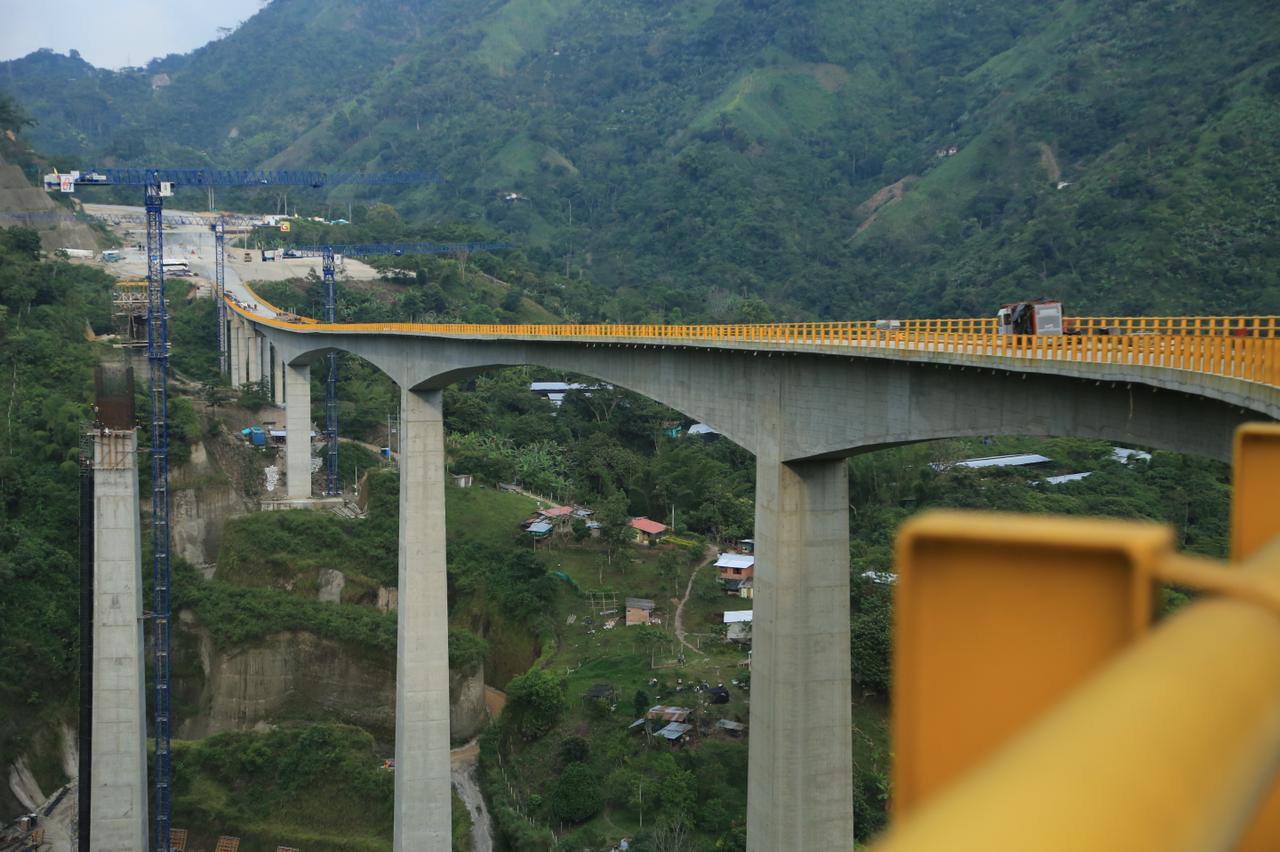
x,y
327,253
158,184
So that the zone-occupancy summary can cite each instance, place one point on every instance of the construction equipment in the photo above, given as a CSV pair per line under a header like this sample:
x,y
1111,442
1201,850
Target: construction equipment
x,y
157,185
1038,316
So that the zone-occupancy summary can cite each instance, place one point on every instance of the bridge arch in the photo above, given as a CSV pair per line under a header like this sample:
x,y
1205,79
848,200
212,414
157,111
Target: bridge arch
x,y
800,407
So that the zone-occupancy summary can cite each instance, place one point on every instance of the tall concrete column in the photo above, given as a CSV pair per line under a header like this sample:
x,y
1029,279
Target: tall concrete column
x,y
297,424
118,809
422,803
253,348
235,342
277,376
800,765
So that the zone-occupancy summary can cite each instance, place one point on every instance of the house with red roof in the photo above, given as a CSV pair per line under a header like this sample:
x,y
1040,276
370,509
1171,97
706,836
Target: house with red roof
x,y
646,530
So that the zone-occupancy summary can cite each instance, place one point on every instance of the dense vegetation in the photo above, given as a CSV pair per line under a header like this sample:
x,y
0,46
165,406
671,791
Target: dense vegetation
x,y
690,156
319,786
47,386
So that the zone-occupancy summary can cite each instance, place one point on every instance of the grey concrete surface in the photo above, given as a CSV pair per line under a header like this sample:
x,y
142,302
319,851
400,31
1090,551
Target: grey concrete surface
x,y
118,810
297,419
235,354
422,801
277,377
800,773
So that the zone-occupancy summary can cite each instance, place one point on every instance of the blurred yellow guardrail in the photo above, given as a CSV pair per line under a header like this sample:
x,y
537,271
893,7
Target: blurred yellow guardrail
x,y
1038,707
1243,348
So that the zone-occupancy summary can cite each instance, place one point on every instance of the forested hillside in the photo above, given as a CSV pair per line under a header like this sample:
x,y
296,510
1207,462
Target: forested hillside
x,y
921,157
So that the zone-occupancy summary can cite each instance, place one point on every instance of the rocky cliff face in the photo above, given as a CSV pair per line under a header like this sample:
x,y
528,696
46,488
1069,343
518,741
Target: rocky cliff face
x,y
204,499
30,206
295,675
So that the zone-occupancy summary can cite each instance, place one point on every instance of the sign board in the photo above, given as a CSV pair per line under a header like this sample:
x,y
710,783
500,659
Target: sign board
x,y
66,183
166,188
285,226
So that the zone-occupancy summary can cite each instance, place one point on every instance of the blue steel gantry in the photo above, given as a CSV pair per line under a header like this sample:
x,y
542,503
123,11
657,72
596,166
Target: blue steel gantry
x,y
157,185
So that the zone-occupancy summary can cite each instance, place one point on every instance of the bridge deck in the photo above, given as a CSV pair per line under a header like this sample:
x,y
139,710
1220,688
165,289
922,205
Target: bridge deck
x,y
1243,349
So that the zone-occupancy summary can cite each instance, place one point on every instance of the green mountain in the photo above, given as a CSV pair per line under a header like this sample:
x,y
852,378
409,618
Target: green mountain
x,y
1123,155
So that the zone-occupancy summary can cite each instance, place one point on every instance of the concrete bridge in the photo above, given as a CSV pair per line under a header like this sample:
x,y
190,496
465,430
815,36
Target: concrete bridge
x,y
801,397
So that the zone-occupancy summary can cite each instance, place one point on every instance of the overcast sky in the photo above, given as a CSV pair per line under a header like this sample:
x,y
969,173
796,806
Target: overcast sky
x,y
113,33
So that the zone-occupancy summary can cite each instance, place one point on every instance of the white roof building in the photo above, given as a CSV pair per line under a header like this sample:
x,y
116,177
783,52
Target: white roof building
x,y
1013,460
735,560
738,616
1066,477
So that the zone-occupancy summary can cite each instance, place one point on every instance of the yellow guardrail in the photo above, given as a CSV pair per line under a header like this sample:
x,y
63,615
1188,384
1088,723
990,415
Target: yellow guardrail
x,y
1037,706
1236,347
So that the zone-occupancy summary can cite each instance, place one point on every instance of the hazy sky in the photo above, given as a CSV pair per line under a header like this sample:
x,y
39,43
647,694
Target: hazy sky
x,y
112,33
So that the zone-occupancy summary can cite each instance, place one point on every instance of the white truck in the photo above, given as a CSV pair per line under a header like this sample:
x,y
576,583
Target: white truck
x,y
1038,316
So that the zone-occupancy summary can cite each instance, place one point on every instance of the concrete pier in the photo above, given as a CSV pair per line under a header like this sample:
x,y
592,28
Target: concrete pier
x,y
235,350
253,350
118,813
800,786
422,799
297,424
277,376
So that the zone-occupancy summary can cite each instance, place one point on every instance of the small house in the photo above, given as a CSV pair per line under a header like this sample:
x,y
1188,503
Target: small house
x,y
463,480
539,529
672,428
731,728
703,431
674,732
738,626
647,531
747,545
662,713
556,515
736,566
639,611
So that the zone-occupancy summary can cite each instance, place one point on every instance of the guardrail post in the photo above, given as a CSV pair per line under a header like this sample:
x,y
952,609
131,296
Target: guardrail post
x,y
987,601
1254,522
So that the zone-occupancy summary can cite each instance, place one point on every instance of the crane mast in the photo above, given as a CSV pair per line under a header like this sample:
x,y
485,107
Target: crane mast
x,y
158,184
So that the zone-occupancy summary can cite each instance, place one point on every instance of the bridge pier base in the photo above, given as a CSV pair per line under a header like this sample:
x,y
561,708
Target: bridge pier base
x,y
800,784
297,436
422,799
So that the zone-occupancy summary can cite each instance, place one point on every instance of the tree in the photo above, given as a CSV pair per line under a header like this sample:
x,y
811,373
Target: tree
x,y
574,750
11,115
672,837
535,703
641,702
648,639
576,797
615,523
669,572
